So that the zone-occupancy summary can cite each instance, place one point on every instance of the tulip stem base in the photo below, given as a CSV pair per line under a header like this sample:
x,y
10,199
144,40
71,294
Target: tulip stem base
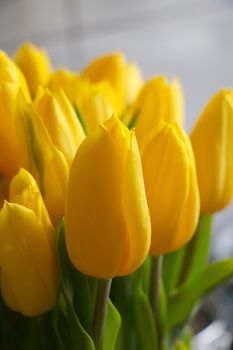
x,y
155,276
101,311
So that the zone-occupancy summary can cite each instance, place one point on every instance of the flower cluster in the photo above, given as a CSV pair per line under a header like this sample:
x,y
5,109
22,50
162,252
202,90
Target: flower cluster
x,y
107,151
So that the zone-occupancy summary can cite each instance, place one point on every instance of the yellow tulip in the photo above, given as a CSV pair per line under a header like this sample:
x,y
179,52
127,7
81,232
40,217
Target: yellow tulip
x,y
35,65
10,73
133,82
158,100
212,141
124,77
9,162
42,159
97,102
29,279
67,81
107,220
171,187
59,118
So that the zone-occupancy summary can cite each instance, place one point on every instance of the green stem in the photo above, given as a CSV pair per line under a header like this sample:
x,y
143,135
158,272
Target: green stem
x,y
101,311
44,332
156,265
155,276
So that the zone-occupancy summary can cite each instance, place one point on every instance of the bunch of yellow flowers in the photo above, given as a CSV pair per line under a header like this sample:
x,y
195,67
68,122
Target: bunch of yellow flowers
x,y
98,182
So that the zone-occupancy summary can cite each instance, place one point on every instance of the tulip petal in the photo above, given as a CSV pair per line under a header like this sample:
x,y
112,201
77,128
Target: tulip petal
x,y
44,161
95,226
136,212
28,281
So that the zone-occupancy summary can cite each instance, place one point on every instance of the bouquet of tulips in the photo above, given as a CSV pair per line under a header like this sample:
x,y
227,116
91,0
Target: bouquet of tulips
x,y
106,205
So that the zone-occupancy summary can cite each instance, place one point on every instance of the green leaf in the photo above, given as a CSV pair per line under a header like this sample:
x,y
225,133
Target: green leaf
x,y
77,337
182,302
145,324
81,119
180,345
134,120
113,322
122,297
172,266
67,270
197,250
141,277
163,309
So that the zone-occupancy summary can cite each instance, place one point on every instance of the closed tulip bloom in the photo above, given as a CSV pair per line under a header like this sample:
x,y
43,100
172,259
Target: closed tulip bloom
x,y
9,162
29,279
158,100
67,81
107,220
42,159
10,73
212,141
124,77
35,65
133,82
97,102
59,118
171,187
109,68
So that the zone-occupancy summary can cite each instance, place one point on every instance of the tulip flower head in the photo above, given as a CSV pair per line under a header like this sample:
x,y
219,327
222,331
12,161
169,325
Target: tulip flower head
x,y
171,187
59,118
124,77
157,100
67,81
10,73
107,219
29,279
97,102
212,142
9,160
35,65
42,159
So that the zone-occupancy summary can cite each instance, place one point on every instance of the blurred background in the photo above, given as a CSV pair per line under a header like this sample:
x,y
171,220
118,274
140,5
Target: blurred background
x,y
191,39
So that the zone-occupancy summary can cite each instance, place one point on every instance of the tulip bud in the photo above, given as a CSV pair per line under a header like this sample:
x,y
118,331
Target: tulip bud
x,y
133,82
171,187
42,159
9,162
212,141
97,103
59,118
35,65
157,100
29,279
10,73
124,77
67,81
107,219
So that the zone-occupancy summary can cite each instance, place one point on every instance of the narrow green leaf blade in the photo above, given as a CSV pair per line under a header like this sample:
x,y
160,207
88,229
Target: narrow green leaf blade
x,y
182,302
133,122
77,336
145,324
81,119
113,322
197,250
172,266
